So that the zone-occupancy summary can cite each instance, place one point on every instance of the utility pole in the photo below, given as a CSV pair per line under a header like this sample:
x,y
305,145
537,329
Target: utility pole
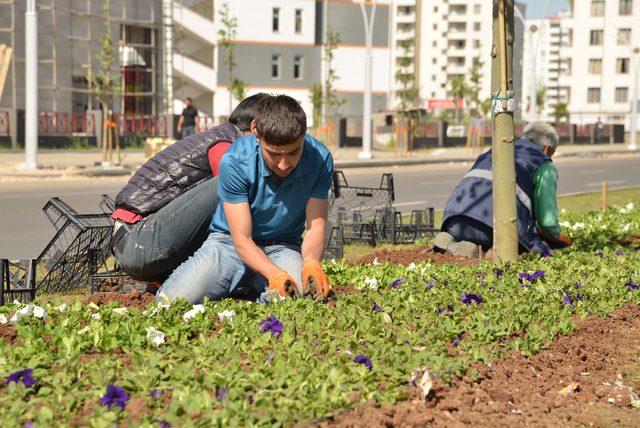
x,y
31,85
505,218
366,107
635,57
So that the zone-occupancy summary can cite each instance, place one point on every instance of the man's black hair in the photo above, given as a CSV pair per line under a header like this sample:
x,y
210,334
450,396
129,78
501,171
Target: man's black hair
x,y
280,120
188,99
245,112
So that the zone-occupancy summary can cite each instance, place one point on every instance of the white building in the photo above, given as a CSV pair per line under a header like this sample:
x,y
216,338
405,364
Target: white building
x,y
602,36
544,62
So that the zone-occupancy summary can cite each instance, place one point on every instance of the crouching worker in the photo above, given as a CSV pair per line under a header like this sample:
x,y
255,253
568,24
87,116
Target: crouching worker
x,y
163,213
270,184
468,215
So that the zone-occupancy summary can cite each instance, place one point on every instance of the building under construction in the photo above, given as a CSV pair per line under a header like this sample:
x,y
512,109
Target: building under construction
x,y
70,38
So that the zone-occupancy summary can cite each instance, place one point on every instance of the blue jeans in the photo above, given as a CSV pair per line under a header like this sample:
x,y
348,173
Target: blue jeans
x,y
188,130
215,271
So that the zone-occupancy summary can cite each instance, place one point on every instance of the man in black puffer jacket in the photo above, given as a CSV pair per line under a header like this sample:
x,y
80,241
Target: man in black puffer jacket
x,y
163,213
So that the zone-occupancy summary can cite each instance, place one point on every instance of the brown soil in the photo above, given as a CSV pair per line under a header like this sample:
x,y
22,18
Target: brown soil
x,y
632,240
9,334
585,378
133,299
415,254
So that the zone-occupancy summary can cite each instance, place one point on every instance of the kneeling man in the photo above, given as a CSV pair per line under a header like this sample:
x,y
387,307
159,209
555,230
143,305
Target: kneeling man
x,y
270,184
468,215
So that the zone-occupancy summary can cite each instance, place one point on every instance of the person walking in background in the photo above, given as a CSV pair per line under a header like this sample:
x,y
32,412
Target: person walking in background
x,y
188,119
597,131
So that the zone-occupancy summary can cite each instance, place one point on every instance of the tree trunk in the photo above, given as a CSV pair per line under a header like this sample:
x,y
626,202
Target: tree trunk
x,y
505,219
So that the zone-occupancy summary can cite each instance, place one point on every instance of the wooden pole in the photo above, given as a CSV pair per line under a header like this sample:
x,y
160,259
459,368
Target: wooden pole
x,y
505,218
604,196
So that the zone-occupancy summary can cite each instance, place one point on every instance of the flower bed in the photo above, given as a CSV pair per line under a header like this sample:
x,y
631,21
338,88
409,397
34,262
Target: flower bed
x,y
299,361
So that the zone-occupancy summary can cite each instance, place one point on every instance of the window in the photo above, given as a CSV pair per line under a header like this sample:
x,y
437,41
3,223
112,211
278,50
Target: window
x,y
435,26
622,65
569,39
433,77
276,62
275,19
597,7
477,9
595,66
298,67
476,26
624,36
593,95
435,9
476,44
595,38
567,65
622,95
625,7
433,61
435,43
298,23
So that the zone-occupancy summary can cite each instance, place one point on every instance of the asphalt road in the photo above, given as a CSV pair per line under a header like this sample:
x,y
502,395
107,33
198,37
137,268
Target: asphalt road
x,y
24,230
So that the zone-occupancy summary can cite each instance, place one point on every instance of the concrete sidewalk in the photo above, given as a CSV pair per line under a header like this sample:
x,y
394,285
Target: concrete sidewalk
x,y
70,163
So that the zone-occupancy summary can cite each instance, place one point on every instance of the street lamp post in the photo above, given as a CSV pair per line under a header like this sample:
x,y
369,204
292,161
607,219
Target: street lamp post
x,y
31,85
366,105
634,99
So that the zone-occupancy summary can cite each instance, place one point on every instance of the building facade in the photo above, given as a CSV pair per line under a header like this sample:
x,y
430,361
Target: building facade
x,y
601,38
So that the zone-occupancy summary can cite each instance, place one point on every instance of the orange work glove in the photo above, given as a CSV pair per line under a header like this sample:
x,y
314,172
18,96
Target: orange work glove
x,y
315,280
563,241
284,284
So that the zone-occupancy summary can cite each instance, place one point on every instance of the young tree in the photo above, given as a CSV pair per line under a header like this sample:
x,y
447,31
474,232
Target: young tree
x,y
541,94
474,102
408,93
331,99
459,90
316,97
560,112
227,33
105,84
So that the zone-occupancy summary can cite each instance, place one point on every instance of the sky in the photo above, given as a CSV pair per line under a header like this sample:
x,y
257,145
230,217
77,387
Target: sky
x,y
536,7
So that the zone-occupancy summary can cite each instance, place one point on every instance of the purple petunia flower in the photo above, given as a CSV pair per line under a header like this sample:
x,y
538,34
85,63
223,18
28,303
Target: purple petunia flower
x,y
273,326
618,252
443,311
222,394
578,285
250,399
469,298
362,359
600,254
568,301
270,357
546,254
156,393
398,282
163,424
115,396
499,272
633,286
375,307
584,274
23,376
456,341
530,277
28,424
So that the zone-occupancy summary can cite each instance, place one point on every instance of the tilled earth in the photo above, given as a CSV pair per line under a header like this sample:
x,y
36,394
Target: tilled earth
x,y
587,378
413,254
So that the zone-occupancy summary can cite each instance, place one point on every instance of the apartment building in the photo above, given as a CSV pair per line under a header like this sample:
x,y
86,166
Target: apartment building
x,y
278,49
602,36
449,38
545,61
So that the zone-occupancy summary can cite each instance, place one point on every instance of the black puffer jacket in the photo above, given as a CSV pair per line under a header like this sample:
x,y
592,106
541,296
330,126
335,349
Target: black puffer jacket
x,y
172,172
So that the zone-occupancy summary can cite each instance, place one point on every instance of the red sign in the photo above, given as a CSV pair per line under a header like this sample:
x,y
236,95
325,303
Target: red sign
x,y
444,104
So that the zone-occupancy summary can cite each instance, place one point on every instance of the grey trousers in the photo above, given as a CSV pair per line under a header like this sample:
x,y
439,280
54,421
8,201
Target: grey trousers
x,y
153,247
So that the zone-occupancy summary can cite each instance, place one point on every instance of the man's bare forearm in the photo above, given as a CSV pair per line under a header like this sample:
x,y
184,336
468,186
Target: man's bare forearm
x,y
313,244
254,257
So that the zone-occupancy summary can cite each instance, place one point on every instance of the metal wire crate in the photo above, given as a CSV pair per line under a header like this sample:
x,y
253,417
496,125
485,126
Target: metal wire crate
x,y
78,250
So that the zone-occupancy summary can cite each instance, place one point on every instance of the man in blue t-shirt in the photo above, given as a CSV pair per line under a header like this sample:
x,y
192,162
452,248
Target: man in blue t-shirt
x,y
271,183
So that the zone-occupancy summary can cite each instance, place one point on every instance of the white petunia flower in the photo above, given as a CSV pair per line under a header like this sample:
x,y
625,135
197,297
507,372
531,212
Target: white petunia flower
x,y
226,315
3,319
376,262
120,311
163,300
577,226
565,224
271,296
95,316
412,266
155,336
93,306
626,227
29,310
197,309
563,211
372,283
61,308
